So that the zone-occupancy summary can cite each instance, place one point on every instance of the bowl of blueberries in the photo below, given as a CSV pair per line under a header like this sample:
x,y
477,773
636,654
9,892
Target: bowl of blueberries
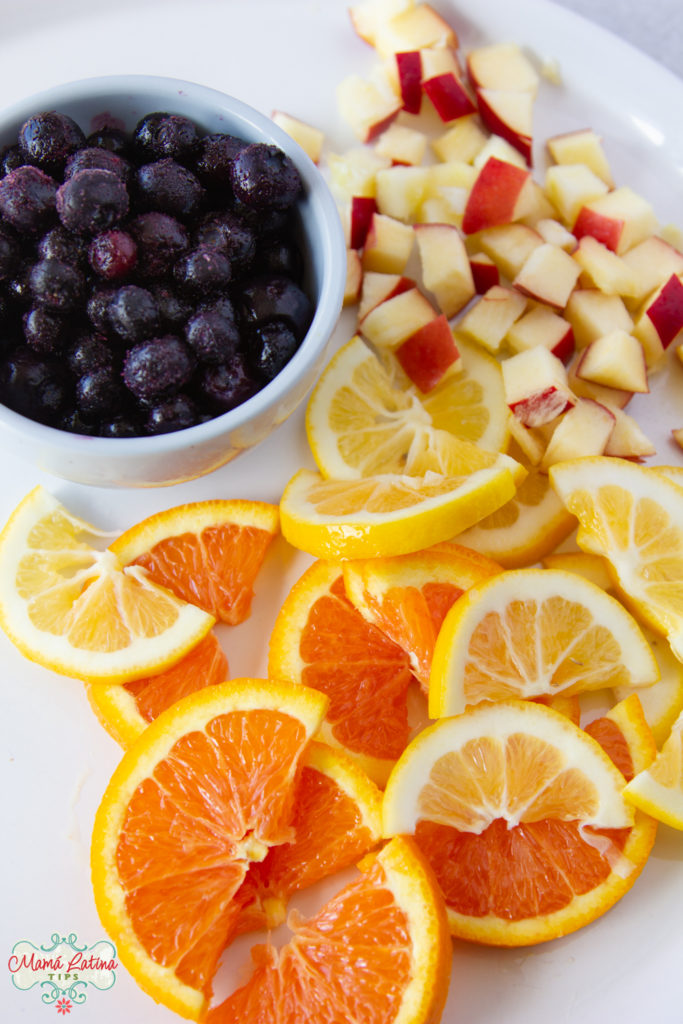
x,y
172,267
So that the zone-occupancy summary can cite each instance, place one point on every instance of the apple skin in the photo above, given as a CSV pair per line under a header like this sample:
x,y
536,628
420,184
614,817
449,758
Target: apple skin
x,y
428,353
362,210
523,143
541,407
607,230
449,97
494,195
485,274
666,311
409,65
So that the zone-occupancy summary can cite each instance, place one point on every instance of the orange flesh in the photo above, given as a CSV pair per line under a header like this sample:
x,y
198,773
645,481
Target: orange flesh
x,y
349,962
205,665
613,742
365,675
214,570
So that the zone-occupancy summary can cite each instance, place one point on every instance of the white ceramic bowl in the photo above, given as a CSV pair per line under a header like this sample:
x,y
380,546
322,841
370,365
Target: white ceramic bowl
x,y
186,454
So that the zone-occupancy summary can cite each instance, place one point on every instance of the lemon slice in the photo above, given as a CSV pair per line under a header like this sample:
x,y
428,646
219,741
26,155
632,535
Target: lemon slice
x,y
75,610
658,790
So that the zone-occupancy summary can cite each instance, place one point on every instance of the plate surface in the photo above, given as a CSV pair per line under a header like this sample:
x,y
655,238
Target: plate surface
x,y
56,759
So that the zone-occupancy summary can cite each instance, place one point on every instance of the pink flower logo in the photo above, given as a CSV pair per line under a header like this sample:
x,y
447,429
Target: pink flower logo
x,y
63,1006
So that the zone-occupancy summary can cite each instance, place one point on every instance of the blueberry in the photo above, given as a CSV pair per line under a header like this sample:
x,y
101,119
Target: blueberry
x,y
34,386
263,177
227,385
174,310
214,159
48,139
280,256
73,421
202,272
19,286
9,252
44,330
87,354
11,157
99,392
212,336
176,413
157,368
132,314
94,158
277,297
160,239
62,245
270,347
58,286
170,188
229,234
91,201
116,140
27,198
123,425
97,307
113,254
161,135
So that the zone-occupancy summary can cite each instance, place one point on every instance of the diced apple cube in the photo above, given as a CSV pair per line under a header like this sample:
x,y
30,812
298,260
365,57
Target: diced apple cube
x,y
653,262
541,326
592,313
485,273
395,319
414,29
400,191
428,354
627,440
534,205
448,96
615,360
509,113
402,145
409,79
445,265
439,60
569,187
557,234
582,431
548,275
366,17
494,195
660,319
379,287
454,173
309,138
536,388
581,147
529,441
362,210
365,107
611,397
502,66
492,316
462,141
509,246
439,210
604,268
502,150
354,277
388,245
620,219
353,173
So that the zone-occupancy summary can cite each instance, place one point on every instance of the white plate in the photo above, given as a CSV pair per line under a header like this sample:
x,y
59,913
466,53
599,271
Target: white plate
x,y
56,759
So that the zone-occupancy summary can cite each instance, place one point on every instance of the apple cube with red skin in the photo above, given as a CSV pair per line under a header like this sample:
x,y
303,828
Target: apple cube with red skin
x,y
409,67
390,323
494,195
536,388
388,245
541,326
485,273
509,113
665,310
509,246
548,275
379,287
502,66
365,107
653,262
449,96
445,265
415,28
490,318
583,430
428,354
616,360
620,219
612,397
363,209
627,440
569,187
604,268
354,277
592,313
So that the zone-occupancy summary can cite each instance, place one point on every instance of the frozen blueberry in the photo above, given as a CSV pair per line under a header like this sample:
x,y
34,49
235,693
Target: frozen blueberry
x,y
229,234
97,307
18,287
48,139
263,177
280,256
123,425
157,368
73,421
96,158
58,286
63,245
176,413
116,140
34,385
160,239
132,314
44,330
174,310
212,335
227,385
88,353
27,198
99,392
11,157
161,135
214,159
270,347
9,252
202,272
113,254
92,201
277,297
170,188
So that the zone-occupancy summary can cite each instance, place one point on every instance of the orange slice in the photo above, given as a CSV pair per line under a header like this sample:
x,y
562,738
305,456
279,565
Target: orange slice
x,y
206,552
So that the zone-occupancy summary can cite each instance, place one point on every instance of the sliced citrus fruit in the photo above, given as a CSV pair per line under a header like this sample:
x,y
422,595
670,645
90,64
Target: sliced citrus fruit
x,y
206,552
658,789
364,417
528,632
408,596
663,702
634,517
527,527
521,815
125,709
390,514
378,952
319,639
624,734
204,791
72,608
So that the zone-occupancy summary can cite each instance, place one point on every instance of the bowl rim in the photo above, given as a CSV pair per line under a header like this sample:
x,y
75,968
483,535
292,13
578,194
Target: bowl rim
x,y
332,260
